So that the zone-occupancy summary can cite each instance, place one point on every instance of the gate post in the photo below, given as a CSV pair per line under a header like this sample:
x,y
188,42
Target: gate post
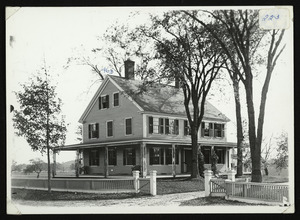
x,y
136,175
231,175
207,177
153,182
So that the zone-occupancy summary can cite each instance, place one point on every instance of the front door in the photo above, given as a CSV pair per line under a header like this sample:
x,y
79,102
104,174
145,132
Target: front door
x,y
188,161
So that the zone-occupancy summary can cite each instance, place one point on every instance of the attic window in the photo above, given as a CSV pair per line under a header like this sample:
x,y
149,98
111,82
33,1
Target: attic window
x,y
104,102
116,99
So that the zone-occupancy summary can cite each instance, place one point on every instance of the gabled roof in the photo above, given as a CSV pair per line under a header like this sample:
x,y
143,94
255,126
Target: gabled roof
x,y
162,98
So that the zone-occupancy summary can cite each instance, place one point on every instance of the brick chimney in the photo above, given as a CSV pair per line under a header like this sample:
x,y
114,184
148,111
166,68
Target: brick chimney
x,y
129,69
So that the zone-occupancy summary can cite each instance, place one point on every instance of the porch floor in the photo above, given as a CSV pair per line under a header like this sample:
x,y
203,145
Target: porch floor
x,y
86,176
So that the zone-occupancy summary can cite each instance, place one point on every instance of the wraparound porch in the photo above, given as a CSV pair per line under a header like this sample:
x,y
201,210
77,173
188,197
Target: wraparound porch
x,y
119,158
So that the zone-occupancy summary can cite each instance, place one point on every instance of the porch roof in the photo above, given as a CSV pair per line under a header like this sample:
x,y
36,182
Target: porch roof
x,y
139,141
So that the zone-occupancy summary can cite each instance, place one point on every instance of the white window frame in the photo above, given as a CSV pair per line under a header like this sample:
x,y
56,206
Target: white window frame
x,y
125,126
113,100
112,128
94,123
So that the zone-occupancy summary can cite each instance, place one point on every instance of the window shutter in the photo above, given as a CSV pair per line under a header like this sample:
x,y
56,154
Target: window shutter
x,y
133,157
223,130
124,157
90,158
167,130
185,127
211,130
176,126
162,156
107,100
90,127
97,130
99,102
150,125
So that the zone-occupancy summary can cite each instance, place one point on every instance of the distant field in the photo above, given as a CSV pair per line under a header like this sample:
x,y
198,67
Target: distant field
x,y
43,174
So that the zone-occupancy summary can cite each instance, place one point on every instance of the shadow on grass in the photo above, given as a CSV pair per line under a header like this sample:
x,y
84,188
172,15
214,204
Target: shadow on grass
x,y
215,201
41,195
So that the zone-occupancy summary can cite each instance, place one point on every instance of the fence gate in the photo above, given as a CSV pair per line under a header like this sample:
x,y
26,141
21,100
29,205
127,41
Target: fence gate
x,y
217,187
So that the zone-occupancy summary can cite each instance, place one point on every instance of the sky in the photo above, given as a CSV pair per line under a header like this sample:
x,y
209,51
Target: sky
x,y
56,34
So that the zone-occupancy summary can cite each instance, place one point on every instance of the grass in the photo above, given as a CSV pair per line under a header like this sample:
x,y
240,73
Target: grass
x,y
214,201
164,186
42,195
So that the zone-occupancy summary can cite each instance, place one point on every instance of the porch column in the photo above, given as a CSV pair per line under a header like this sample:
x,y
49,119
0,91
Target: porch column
x,y
173,161
226,159
106,162
77,163
143,161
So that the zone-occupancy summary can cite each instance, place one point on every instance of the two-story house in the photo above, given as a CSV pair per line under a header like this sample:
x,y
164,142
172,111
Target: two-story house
x,y
123,127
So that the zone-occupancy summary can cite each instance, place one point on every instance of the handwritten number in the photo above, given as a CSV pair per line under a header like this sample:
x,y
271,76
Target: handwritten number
x,y
270,18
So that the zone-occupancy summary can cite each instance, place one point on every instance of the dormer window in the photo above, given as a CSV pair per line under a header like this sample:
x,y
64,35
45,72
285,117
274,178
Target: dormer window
x,y
104,101
116,99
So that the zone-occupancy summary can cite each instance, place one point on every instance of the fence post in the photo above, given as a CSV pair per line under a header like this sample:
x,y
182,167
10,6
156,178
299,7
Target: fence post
x,y
136,175
153,182
231,175
207,177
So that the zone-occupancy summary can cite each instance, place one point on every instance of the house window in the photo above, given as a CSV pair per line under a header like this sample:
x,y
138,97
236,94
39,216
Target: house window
x,y
161,125
109,126
169,156
116,99
104,102
128,124
112,156
156,156
93,130
174,124
129,156
221,154
219,130
94,158
207,129
187,129
150,125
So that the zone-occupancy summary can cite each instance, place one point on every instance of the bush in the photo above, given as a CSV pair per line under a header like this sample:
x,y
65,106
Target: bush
x,y
137,167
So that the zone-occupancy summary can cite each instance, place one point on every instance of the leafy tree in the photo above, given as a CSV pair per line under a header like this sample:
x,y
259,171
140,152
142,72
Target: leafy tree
x,y
72,166
37,166
79,133
281,160
188,54
239,36
17,167
38,118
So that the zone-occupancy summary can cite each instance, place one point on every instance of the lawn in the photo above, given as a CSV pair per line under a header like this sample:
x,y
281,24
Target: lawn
x,y
214,201
164,186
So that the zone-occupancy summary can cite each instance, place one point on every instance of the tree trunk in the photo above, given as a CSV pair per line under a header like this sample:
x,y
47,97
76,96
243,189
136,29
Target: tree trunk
x,y
255,150
239,126
194,136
